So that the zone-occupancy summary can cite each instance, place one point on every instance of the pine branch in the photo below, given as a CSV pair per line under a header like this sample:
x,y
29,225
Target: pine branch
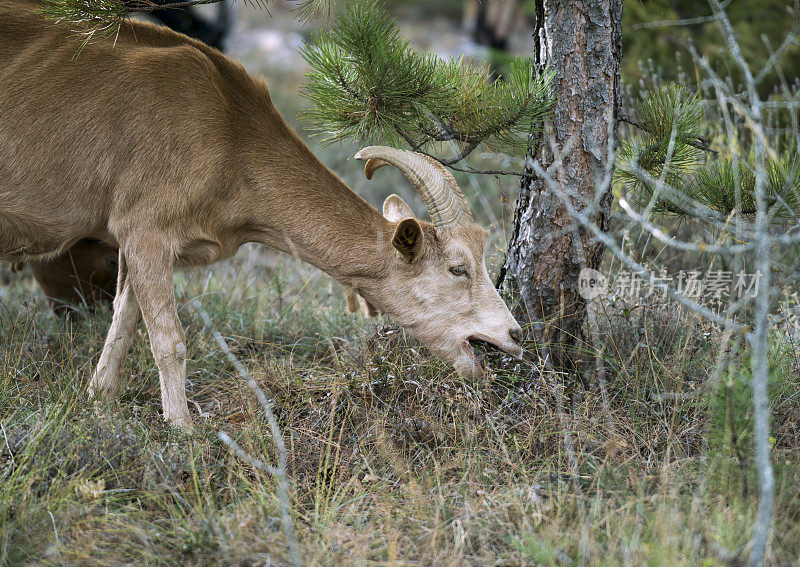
x,y
668,148
94,19
699,142
668,151
99,19
368,85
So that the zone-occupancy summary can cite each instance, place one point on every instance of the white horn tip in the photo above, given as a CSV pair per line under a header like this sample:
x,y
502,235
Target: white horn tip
x,y
362,153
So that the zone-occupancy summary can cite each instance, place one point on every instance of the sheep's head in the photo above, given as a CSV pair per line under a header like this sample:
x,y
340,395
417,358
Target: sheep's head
x,y
438,287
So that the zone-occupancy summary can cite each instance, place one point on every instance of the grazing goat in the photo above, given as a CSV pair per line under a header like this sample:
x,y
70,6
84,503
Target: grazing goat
x,y
161,146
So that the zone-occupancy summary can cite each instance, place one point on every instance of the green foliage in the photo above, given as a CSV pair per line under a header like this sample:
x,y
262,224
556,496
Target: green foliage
x,y
672,109
666,146
670,148
730,431
310,9
368,85
717,184
783,178
95,19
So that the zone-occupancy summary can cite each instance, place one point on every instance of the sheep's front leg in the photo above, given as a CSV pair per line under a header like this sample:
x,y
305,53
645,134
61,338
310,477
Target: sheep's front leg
x,y
151,278
106,379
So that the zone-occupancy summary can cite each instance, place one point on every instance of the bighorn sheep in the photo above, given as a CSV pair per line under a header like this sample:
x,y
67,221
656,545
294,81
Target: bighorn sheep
x,y
158,144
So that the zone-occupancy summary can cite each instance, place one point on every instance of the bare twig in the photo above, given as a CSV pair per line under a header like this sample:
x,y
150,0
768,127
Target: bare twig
x,y
789,41
758,339
678,23
278,472
612,245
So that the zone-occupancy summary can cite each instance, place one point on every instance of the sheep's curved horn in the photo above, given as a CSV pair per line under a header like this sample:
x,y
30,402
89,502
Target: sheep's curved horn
x,y
437,187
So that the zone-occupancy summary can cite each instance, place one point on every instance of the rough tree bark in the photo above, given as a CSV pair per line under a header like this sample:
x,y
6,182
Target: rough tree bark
x,y
580,40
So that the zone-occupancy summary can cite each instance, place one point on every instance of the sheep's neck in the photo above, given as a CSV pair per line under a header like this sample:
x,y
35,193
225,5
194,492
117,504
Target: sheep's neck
x,y
333,229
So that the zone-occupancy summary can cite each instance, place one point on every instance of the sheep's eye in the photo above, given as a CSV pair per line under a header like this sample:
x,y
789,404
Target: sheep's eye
x,y
459,271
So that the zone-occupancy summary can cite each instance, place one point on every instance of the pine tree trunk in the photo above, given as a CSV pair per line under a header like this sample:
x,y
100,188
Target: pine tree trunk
x,y
580,40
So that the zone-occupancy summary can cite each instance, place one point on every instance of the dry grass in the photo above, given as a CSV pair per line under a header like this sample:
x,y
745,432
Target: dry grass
x,y
393,458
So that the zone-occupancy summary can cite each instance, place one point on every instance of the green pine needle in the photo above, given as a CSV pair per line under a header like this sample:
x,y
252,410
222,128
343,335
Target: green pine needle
x,y
96,20
368,85
309,9
671,122
93,19
717,186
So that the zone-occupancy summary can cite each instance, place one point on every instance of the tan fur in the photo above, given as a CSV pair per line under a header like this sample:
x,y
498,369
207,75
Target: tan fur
x,y
158,144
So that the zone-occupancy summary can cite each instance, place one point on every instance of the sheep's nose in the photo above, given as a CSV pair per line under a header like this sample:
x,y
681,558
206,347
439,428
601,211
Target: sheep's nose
x,y
516,335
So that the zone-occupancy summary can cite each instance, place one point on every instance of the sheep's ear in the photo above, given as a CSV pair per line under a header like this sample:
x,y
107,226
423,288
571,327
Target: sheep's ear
x,y
408,239
395,209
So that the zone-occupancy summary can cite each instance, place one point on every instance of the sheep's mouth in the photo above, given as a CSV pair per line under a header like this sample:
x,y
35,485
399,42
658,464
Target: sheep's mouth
x,y
478,349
